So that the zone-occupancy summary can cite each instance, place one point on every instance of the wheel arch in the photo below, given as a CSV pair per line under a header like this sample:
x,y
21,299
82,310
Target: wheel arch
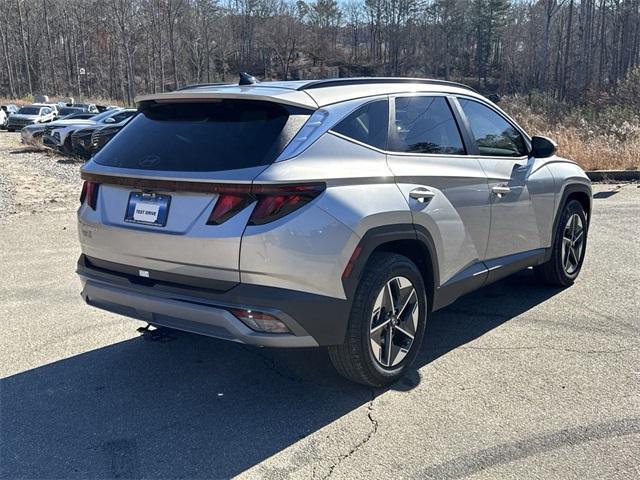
x,y
572,191
408,240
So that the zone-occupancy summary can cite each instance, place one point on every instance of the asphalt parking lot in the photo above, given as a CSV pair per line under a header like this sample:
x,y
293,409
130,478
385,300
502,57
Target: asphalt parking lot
x,y
514,381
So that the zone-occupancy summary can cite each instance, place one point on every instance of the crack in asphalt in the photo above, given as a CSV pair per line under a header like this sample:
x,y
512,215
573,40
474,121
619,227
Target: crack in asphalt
x,y
361,443
270,363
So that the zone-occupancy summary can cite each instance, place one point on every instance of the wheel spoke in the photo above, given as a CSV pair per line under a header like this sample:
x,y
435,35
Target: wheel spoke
x,y
408,323
388,345
411,295
375,339
378,318
567,259
389,300
572,253
398,352
578,237
404,332
382,324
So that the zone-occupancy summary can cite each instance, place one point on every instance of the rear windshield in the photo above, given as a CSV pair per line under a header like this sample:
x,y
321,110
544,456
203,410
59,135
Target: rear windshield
x,y
208,136
69,110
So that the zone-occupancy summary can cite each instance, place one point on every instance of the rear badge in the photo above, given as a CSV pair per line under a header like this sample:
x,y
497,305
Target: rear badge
x,y
143,273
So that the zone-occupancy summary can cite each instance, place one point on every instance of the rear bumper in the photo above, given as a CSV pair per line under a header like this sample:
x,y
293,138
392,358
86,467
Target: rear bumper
x,y
314,320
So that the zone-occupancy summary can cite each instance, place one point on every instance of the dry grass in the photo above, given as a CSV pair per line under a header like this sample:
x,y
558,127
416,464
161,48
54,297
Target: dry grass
x,y
598,138
53,99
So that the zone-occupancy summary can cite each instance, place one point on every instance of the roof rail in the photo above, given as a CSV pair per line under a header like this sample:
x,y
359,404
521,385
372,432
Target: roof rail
x,y
197,85
339,82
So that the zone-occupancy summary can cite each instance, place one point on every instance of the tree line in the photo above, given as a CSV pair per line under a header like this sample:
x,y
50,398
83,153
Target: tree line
x,y
117,49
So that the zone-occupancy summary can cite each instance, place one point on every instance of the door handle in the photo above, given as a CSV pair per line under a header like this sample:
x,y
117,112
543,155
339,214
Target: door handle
x,y
500,190
422,194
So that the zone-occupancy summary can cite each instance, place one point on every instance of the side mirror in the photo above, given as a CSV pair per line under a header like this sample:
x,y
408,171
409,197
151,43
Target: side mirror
x,y
109,120
543,147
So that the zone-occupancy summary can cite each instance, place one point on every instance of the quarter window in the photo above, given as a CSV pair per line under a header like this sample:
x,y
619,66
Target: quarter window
x,y
426,125
368,124
493,134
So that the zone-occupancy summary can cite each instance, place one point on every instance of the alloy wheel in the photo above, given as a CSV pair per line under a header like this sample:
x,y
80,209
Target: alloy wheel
x,y
572,244
394,321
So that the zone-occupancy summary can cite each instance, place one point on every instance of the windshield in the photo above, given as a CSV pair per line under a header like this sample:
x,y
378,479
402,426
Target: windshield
x,y
208,136
29,111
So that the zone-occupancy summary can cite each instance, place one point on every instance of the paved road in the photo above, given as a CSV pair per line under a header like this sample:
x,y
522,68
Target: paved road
x,y
515,381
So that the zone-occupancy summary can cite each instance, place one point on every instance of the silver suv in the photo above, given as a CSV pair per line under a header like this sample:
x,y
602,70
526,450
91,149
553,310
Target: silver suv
x,y
335,213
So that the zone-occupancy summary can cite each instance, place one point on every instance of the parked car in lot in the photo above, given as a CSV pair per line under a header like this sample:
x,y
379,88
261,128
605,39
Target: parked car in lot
x,y
58,137
10,108
336,213
5,112
81,138
53,106
32,134
29,115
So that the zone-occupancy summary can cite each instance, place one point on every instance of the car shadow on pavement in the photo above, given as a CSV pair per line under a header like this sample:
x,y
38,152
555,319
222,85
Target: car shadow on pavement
x,y
195,407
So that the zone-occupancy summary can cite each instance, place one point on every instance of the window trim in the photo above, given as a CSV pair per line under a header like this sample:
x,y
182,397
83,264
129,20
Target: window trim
x,y
392,136
500,113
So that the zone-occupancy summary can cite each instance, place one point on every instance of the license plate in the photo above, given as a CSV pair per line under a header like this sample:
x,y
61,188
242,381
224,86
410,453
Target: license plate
x,y
148,209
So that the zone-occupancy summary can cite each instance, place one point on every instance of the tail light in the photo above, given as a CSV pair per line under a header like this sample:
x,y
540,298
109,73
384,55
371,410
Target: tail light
x,y
276,201
272,201
90,194
227,206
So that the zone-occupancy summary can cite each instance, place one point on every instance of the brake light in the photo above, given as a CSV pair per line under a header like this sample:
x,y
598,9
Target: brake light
x,y
90,194
275,202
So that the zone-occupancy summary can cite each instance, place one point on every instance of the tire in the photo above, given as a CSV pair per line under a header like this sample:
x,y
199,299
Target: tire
x,y
565,264
10,130
364,357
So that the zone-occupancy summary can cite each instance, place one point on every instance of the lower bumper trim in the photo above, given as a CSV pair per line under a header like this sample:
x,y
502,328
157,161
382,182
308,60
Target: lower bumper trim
x,y
183,315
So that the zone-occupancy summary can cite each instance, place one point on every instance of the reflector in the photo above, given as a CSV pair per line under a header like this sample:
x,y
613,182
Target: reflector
x,y
260,321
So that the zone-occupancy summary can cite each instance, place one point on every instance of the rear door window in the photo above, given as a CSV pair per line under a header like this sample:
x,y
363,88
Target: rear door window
x,y
368,124
205,136
494,135
426,124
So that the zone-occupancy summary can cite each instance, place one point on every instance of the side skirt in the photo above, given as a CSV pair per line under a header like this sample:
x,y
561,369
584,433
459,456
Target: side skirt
x,y
480,274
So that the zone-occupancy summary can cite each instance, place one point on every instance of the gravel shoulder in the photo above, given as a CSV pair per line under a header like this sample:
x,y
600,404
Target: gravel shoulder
x,y
514,381
33,180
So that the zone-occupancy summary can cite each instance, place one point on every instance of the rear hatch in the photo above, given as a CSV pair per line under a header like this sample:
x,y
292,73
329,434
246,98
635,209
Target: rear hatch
x,y
151,192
